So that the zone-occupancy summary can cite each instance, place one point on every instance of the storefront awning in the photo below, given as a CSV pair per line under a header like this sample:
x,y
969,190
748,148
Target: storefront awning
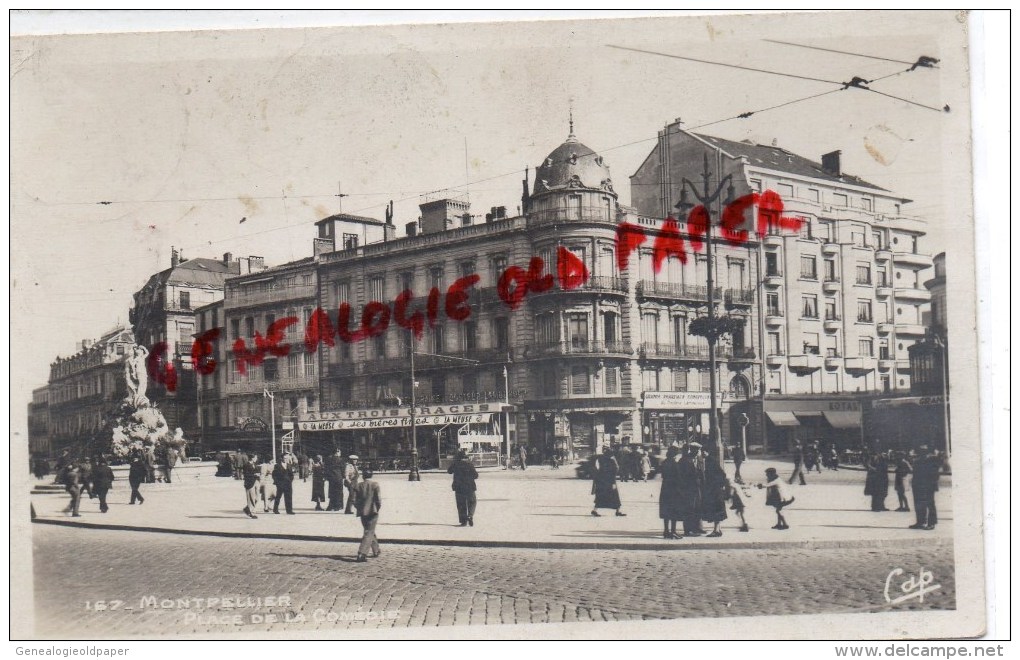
x,y
781,418
809,416
843,419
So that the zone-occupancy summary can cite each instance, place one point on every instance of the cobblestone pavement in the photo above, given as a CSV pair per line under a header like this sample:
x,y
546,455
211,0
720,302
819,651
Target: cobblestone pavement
x,y
133,574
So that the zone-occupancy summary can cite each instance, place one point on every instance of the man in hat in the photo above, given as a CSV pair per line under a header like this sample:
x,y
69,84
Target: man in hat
x,y
283,478
334,472
924,485
368,502
798,463
351,480
464,476
102,481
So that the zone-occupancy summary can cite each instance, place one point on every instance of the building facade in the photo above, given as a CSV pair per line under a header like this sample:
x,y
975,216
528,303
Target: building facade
x,y
85,388
598,359
39,422
840,300
163,320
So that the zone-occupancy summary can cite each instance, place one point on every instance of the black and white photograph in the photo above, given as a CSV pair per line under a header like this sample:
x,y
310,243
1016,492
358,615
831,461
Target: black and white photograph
x,y
656,327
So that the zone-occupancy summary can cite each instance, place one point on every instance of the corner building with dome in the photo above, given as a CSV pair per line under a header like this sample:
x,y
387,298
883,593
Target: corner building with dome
x,y
570,369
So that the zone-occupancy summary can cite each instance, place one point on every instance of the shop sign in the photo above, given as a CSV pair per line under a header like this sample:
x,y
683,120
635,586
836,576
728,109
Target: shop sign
x,y
936,400
252,424
393,422
390,412
677,400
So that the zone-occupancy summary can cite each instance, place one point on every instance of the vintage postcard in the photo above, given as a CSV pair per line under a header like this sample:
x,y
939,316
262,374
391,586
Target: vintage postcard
x,y
657,328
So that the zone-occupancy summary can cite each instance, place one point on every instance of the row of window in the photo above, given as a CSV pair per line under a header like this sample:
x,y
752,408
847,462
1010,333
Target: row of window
x,y
809,308
812,346
786,191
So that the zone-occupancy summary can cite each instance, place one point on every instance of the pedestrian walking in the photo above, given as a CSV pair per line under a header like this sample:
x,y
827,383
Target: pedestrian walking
x,y
777,495
644,466
876,483
522,454
798,463
903,470
71,477
137,474
237,462
924,485
738,496
318,483
738,459
168,463
85,477
251,475
102,482
351,480
713,501
335,477
368,502
266,486
671,494
150,465
303,465
283,477
464,488
603,487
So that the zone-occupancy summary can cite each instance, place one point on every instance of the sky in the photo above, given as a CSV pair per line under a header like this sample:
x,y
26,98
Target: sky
x,y
237,141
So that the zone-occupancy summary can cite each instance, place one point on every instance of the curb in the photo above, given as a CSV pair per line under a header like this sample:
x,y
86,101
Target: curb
x,y
534,545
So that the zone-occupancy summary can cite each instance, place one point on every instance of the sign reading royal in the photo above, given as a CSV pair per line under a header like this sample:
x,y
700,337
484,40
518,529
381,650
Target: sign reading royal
x,y
677,400
399,417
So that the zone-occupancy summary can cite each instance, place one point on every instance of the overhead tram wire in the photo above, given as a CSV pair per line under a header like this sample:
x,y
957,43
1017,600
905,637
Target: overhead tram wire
x,y
727,65
743,115
833,50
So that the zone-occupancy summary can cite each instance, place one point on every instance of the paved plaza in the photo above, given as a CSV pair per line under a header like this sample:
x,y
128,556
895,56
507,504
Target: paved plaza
x,y
539,507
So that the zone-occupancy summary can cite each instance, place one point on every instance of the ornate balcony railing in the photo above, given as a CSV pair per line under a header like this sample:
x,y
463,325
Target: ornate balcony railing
x,y
583,347
650,289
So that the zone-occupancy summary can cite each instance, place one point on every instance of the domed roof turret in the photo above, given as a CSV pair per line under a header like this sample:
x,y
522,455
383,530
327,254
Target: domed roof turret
x,y
572,165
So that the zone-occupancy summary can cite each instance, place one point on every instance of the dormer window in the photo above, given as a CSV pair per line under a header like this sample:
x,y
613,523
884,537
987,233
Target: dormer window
x,y
573,159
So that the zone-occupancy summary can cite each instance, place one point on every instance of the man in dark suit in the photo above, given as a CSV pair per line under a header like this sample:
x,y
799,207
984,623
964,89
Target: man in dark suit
x,y
924,485
137,474
367,502
798,463
102,481
251,475
283,477
464,476
335,477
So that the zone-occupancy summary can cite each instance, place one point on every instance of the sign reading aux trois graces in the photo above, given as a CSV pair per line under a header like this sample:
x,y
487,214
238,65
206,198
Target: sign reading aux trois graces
x,y
370,418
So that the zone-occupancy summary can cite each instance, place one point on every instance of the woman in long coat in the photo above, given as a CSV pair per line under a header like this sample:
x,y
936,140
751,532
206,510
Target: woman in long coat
x,y
690,491
670,494
603,485
713,503
318,483
876,484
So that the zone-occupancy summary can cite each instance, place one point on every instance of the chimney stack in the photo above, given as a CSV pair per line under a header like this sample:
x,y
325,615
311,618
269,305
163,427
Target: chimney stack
x,y
175,258
412,228
830,163
227,258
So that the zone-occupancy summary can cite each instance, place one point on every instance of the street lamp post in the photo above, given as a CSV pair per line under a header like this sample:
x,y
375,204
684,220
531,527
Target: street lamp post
x,y
706,198
414,474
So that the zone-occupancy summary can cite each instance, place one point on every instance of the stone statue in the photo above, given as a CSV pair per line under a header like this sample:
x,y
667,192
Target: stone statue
x,y
137,377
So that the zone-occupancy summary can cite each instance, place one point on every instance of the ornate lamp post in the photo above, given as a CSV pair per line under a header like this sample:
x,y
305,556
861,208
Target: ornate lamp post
x,y
414,474
706,198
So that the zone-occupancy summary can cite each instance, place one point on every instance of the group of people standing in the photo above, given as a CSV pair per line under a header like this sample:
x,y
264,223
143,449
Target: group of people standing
x,y
921,468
